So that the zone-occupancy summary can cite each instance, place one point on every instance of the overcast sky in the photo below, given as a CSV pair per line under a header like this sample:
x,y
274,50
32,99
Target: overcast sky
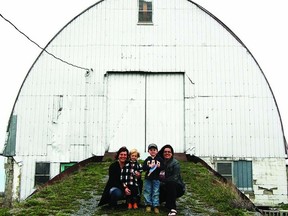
x,y
260,24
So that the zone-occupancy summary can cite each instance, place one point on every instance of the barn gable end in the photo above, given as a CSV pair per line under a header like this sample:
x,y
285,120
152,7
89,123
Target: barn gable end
x,y
175,75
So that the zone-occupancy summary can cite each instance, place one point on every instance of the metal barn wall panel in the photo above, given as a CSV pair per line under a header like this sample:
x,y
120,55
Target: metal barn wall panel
x,y
27,176
145,108
223,106
226,125
32,125
217,64
126,111
96,129
165,110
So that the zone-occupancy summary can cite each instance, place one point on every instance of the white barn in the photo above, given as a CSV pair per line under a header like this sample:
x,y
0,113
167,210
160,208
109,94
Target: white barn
x,y
132,72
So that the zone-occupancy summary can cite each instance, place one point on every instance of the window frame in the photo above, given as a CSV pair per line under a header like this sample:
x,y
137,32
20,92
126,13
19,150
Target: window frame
x,y
229,176
245,168
43,175
142,11
64,166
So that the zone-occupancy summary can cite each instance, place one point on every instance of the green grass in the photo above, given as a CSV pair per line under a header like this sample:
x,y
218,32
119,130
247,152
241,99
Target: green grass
x,y
79,193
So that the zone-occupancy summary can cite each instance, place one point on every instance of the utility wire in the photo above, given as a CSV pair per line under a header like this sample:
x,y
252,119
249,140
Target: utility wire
x,y
68,63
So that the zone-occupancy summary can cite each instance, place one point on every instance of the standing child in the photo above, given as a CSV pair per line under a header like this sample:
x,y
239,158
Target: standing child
x,y
131,179
153,164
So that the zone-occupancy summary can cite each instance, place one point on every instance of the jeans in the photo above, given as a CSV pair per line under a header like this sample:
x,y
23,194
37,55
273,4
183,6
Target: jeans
x,y
115,195
151,192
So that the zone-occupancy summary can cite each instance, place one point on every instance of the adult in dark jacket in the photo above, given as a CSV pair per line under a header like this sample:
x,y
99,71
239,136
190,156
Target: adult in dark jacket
x,y
172,185
114,189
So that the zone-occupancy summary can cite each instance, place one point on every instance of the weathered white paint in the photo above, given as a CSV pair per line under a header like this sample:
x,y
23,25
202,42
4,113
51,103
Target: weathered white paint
x,y
269,183
143,109
126,112
16,181
165,110
222,102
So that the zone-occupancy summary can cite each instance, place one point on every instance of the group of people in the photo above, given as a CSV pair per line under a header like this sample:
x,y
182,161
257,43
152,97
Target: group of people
x,y
162,181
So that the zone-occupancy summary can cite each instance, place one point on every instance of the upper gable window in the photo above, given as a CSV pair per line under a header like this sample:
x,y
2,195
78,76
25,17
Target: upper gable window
x,y
145,11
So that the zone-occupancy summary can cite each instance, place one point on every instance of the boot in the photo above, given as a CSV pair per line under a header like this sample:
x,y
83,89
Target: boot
x,y
129,205
135,206
148,209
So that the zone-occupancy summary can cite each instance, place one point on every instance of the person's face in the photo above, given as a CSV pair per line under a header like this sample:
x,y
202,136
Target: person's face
x,y
167,153
122,156
153,152
133,157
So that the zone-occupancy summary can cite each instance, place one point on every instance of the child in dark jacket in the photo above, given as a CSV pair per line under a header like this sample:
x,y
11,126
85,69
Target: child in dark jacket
x,y
153,164
131,179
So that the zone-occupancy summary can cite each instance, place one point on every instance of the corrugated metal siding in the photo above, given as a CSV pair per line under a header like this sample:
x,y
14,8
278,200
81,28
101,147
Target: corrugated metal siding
x,y
229,110
228,105
32,121
145,108
230,102
126,111
165,110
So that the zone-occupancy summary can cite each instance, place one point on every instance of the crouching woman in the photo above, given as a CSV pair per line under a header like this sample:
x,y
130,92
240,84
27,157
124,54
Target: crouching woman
x,y
172,185
114,189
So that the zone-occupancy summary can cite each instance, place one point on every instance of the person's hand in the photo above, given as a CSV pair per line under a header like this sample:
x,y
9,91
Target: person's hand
x,y
137,174
158,164
127,191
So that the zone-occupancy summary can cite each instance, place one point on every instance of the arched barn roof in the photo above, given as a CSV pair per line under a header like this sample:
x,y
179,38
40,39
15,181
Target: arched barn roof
x,y
228,100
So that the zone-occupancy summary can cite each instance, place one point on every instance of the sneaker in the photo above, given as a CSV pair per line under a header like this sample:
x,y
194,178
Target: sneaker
x,y
148,208
129,205
172,212
135,206
156,210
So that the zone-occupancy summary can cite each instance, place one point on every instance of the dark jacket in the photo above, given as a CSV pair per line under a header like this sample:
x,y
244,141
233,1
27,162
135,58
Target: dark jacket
x,y
172,172
113,181
171,168
154,175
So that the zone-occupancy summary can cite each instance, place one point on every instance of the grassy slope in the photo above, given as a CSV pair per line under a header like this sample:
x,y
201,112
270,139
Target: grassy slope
x,y
79,194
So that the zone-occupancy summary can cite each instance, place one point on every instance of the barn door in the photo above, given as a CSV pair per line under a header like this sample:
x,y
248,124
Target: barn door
x,y
165,110
143,108
125,111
